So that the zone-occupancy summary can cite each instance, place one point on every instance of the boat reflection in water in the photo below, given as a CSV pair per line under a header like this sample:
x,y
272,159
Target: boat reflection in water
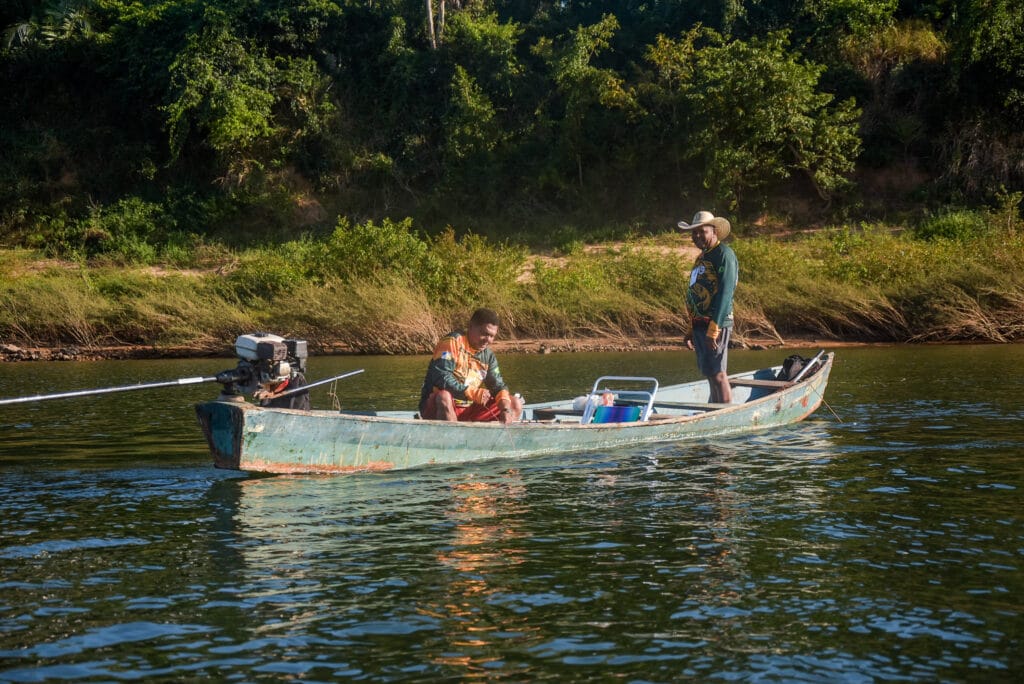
x,y
488,569
363,560
481,565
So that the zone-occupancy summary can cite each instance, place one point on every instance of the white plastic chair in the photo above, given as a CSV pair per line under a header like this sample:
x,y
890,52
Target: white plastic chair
x,y
598,391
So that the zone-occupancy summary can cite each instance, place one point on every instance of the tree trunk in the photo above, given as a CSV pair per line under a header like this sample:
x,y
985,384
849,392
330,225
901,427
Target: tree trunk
x,y
430,23
436,32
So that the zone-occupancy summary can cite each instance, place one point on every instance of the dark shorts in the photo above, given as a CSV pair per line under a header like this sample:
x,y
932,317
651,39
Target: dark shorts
x,y
711,361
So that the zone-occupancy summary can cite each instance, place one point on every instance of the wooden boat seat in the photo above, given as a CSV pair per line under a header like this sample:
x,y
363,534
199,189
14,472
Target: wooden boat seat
x,y
692,405
553,413
751,382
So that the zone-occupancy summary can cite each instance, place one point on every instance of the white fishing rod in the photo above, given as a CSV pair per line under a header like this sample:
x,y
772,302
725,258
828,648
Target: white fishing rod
x,y
108,390
225,377
311,385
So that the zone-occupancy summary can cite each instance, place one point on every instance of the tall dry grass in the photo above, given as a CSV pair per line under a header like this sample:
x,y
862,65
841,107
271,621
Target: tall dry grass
x,y
380,316
988,315
863,283
172,310
53,310
876,284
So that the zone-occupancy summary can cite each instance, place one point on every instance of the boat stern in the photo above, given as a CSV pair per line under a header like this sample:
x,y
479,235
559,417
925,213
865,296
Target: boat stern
x,y
222,425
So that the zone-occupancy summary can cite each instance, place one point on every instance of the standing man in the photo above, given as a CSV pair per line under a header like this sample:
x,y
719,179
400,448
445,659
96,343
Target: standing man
x,y
709,300
463,380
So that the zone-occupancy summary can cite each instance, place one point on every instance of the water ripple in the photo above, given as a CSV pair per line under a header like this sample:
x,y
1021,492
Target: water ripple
x,y
886,547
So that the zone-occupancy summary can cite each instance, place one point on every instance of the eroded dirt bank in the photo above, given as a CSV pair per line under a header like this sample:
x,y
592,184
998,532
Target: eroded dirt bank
x,y
14,353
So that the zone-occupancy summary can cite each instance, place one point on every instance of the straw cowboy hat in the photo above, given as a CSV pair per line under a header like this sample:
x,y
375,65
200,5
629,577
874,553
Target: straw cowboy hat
x,y
706,218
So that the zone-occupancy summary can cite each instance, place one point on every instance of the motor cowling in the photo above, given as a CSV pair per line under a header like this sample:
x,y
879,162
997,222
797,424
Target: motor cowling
x,y
265,361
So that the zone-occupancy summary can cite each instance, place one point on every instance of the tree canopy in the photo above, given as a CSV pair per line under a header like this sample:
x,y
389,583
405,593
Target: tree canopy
x,y
228,114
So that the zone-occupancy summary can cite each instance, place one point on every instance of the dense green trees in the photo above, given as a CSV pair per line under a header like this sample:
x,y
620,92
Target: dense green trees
x,y
750,113
259,118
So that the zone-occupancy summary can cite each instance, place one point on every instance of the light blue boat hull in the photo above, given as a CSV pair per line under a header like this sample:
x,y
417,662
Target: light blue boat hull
x,y
247,437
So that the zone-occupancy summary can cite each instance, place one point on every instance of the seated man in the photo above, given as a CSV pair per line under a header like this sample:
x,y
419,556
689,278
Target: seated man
x,y
463,380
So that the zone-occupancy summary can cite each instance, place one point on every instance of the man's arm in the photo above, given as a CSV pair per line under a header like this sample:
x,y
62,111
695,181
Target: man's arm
x,y
496,383
441,370
721,302
728,277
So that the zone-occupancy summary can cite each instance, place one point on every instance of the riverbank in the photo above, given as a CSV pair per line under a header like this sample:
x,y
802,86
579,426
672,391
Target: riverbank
x,y
863,284
10,353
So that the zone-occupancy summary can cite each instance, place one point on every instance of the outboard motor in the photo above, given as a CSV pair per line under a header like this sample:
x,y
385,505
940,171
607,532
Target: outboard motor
x,y
264,362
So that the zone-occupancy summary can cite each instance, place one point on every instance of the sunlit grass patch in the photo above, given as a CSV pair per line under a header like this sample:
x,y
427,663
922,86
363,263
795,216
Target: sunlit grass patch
x,y
51,310
385,316
173,310
386,288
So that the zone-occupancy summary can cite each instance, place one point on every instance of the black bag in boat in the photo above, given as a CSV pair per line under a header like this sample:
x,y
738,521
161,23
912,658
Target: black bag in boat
x,y
792,366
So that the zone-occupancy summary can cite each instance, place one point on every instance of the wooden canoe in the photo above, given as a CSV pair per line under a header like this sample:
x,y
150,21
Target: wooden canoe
x,y
247,437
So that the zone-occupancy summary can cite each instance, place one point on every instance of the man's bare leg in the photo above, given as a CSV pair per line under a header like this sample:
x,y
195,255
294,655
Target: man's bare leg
x,y
440,406
721,390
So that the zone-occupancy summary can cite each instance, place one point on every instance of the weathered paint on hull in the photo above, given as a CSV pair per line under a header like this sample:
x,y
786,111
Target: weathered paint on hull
x,y
247,437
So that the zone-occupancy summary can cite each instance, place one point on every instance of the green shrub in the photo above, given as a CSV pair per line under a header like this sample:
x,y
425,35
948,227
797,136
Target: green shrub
x,y
566,240
176,310
769,263
267,272
51,309
128,231
180,249
364,251
472,271
645,271
583,296
958,225
878,256
385,316
57,236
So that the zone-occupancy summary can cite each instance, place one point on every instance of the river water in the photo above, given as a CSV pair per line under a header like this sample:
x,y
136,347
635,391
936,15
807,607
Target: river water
x,y
880,540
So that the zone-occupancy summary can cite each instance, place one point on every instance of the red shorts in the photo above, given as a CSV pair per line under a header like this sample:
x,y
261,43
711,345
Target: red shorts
x,y
478,413
472,412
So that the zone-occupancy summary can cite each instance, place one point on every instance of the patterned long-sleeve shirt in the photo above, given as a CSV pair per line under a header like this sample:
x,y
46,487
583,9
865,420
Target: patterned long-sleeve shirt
x,y
712,285
462,371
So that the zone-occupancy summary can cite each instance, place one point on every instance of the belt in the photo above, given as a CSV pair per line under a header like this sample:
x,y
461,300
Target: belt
x,y
703,320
